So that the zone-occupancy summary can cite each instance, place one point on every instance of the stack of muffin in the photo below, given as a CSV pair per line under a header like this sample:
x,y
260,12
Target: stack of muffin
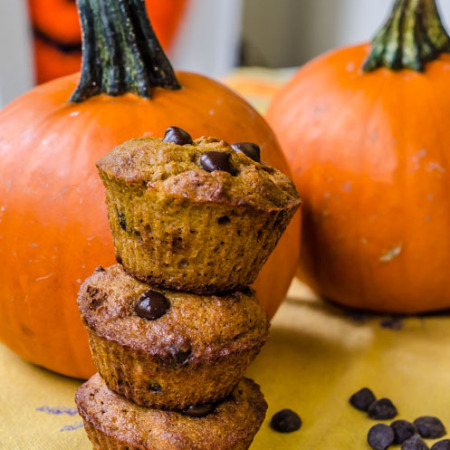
x,y
174,326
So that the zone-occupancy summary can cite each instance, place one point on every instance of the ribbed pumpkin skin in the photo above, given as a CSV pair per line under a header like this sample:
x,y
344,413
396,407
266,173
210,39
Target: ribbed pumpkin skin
x,y
53,222
370,155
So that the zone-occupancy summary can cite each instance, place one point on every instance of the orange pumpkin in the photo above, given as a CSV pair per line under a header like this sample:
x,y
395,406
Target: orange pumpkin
x,y
368,152
57,33
53,222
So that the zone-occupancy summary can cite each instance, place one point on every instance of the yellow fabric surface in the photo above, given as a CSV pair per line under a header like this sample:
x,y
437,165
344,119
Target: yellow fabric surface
x,y
316,357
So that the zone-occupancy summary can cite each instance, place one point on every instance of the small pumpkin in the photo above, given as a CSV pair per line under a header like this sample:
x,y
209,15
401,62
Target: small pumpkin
x,y
365,131
57,33
53,221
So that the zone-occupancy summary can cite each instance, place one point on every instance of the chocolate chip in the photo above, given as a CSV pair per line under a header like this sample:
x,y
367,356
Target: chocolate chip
x,y
414,443
179,356
362,399
403,430
286,421
223,220
430,427
122,220
155,387
198,410
248,149
380,436
248,291
442,445
177,136
382,409
151,305
214,160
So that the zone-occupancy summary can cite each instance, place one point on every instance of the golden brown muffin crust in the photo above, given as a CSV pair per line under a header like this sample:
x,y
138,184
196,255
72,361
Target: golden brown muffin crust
x,y
231,425
205,326
176,170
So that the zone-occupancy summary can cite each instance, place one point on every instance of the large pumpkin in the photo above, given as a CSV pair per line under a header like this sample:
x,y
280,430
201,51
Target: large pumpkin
x,y
368,149
53,222
57,33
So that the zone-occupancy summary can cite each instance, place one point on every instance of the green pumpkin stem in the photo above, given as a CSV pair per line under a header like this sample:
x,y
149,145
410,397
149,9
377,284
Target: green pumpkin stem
x,y
121,53
412,36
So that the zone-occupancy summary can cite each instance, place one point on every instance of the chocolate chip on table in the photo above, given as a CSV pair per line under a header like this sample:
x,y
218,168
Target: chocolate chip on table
x,y
430,427
198,410
403,430
362,399
382,409
380,436
441,445
248,149
177,136
151,305
215,160
414,443
286,421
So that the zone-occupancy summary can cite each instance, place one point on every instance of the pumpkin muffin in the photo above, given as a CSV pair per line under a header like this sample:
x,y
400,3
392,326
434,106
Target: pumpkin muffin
x,y
169,349
199,216
113,422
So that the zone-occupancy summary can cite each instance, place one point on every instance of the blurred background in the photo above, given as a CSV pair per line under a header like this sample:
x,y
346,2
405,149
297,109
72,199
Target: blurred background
x,y
40,39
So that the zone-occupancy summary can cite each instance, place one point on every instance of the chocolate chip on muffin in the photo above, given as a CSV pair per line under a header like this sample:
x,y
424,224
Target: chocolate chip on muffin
x,y
213,160
177,136
248,149
151,305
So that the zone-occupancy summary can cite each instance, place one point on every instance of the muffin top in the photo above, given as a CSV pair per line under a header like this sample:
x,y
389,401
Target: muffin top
x,y
203,170
235,420
115,306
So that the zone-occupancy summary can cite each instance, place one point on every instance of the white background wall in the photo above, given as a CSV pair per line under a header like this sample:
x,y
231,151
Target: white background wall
x,y
281,33
275,33
209,39
16,75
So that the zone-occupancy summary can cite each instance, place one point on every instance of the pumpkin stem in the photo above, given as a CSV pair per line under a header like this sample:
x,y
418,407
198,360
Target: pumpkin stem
x,y
412,36
121,52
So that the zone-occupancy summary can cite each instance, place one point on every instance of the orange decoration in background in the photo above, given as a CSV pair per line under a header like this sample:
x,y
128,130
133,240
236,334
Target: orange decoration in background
x,y
57,33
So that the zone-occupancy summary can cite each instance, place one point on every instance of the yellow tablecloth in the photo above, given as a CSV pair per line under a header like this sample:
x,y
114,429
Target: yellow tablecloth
x,y
316,357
